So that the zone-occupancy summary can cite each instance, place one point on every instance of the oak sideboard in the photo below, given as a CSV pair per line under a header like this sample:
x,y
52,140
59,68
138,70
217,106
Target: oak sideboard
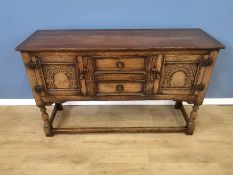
x,y
129,64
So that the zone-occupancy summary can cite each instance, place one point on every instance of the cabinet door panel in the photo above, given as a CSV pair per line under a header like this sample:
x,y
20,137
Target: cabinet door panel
x,y
181,73
57,74
60,77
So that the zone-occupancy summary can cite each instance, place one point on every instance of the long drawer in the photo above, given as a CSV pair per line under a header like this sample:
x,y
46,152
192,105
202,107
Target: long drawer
x,y
120,88
120,83
119,63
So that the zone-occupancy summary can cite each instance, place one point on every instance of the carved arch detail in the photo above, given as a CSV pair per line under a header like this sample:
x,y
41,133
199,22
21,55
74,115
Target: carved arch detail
x,y
67,72
189,71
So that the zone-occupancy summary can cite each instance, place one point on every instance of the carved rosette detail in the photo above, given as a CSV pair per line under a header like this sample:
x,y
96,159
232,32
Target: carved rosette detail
x,y
60,76
189,70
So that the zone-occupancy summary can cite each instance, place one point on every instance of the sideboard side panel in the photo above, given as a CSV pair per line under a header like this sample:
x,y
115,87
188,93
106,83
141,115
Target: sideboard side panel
x,y
207,76
32,78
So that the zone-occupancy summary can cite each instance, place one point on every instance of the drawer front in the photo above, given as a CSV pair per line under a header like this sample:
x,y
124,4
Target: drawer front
x,y
119,75
119,63
120,88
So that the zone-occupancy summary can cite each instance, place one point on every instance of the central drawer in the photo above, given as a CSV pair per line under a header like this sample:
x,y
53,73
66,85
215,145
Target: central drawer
x,y
119,63
120,88
119,83
119,75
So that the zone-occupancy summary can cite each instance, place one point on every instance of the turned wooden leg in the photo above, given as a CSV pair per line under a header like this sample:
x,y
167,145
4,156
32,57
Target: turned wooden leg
x,y
47,124
59,106
178,104
193,116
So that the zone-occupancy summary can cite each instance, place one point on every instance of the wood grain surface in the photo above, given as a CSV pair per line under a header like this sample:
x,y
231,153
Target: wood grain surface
x,y
121,39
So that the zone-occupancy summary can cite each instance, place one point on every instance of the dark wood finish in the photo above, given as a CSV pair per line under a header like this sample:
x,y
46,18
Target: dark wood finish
x,y
141,39
178,104
148,64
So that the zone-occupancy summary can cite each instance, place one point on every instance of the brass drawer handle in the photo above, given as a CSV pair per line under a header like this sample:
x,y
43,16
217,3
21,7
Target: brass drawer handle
x,y
120,87
120,64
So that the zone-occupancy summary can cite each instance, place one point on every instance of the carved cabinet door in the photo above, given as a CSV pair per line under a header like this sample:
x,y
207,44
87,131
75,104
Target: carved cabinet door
x,y
60,74
182,74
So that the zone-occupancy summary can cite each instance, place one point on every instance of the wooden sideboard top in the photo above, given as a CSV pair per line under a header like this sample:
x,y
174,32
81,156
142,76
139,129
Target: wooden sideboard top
x,y
118,39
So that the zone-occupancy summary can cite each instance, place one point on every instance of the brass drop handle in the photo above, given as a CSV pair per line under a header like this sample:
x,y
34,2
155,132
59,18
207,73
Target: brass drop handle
x,y
120,87
155,73
120,64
